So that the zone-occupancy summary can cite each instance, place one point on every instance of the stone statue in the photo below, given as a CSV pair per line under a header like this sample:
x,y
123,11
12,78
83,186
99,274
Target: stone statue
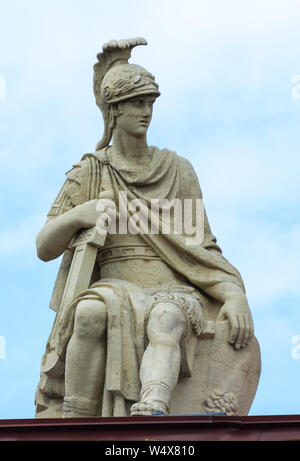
x,y
145,322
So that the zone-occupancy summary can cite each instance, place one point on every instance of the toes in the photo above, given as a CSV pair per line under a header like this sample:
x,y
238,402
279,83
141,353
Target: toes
x,y
146,408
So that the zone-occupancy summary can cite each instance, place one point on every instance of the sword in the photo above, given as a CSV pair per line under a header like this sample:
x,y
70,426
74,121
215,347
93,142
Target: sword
x,y
85,246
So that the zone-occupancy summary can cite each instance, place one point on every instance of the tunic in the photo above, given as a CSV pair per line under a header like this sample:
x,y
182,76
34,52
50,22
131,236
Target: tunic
x,y
167,177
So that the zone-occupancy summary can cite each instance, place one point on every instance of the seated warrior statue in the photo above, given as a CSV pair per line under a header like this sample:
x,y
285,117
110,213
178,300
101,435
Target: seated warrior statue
x,y
120,346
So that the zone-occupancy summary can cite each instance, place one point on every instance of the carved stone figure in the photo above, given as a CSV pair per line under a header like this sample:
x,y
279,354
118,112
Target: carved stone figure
x,y
147,321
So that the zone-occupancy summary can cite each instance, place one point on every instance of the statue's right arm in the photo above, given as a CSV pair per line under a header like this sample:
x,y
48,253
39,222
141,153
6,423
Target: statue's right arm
x,y
55,236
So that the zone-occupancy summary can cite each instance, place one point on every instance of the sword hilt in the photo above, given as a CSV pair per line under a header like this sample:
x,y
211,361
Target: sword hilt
x,y
89,236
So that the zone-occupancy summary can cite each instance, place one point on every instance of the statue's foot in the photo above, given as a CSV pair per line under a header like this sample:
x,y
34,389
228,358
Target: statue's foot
x,y
78,407
147,408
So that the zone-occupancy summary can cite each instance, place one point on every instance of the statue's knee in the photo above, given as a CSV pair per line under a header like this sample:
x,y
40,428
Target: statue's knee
x,y
90,318
168,319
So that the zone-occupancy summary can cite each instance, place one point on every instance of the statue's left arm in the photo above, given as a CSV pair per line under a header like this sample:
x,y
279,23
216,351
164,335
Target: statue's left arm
x,y
232,296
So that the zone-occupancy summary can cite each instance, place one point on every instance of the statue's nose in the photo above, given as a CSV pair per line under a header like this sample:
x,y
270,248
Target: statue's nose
x,y
147,110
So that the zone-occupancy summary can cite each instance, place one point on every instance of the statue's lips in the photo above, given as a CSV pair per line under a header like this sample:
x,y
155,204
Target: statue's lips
x,y
144,122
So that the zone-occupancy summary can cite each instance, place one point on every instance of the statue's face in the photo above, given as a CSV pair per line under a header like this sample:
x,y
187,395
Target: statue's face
x,y
135,115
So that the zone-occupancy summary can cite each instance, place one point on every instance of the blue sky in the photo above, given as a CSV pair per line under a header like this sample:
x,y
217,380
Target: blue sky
x,y
228,74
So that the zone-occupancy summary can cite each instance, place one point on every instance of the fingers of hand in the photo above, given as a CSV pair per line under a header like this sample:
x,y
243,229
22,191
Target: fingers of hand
x,y
241,331
241,325
249,330
105,204
245,331
234,331
234,325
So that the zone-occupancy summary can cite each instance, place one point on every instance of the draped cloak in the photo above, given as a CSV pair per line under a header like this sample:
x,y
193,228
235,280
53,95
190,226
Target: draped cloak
x,y
168,176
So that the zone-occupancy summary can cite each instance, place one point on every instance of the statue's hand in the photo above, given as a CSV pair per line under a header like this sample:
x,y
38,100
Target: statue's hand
x,y
88,213
237,311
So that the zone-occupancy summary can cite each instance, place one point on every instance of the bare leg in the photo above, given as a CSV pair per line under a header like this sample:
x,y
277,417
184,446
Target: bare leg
x,y
161,361
85,360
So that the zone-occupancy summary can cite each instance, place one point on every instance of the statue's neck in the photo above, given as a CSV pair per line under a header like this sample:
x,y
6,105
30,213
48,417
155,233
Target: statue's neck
x,y
129,145
130,150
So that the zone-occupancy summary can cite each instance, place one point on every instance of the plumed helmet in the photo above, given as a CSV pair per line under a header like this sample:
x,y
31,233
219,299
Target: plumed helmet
x,y
127,81
115,80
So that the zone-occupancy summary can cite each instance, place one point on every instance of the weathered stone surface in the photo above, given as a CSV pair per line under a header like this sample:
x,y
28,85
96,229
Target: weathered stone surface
x,y
150,315
223,380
